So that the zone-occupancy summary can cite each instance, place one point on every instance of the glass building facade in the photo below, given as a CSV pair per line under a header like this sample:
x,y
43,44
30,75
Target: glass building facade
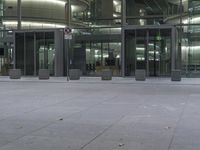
x,y
190,40
122,35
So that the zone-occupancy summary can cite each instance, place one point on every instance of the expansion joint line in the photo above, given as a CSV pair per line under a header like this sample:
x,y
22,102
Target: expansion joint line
x,y
106,129
178,121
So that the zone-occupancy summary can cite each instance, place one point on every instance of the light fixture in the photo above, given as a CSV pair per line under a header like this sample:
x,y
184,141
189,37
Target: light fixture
x,y
140,49
73,8
58,2
87,50
115,2
33,24
115,15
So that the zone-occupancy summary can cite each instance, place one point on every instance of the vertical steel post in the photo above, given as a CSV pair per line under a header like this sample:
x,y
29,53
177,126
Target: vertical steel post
x,y
24,53
173,47
14,51
35,56
19,14
123,24
1,12
147,52
67,41
180,37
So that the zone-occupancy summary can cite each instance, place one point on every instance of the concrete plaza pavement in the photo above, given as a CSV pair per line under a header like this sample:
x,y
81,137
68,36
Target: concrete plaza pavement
x,y
91,114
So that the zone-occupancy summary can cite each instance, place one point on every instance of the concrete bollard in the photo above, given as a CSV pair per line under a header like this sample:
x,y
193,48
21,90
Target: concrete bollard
x,y
106,74
43,74
140,75
74,74
176,75
15,73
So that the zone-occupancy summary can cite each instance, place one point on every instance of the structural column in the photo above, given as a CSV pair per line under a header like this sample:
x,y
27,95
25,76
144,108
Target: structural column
x,y
35,56
173,47
147,52
19,14
1,12
68,13
179,52
123,22
14,51
59,62
67,41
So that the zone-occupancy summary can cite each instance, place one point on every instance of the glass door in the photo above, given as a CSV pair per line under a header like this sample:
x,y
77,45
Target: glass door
x,y
154,48
45,49
159,52
165,43
148,49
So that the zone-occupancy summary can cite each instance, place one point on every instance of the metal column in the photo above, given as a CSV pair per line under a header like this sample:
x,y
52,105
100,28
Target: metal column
x,y
69,13
14,50
123,12
67,41
35,56
58,40
147,52
19,14
179,52
24,53
173,48
123,20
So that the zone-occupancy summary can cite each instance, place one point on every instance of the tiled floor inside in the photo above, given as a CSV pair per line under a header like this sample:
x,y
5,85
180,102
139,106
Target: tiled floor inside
x,y
98,115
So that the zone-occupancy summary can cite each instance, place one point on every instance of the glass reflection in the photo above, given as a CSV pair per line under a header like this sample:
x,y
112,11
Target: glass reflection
x,y
99,56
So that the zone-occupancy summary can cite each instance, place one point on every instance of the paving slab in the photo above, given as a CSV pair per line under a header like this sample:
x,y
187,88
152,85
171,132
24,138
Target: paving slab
x,y
91,114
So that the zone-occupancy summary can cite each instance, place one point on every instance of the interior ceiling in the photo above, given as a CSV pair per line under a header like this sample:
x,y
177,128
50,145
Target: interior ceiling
x,y
158,6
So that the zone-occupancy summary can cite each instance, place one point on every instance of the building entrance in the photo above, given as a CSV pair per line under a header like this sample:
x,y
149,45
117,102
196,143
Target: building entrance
x,y
39,49
149,49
